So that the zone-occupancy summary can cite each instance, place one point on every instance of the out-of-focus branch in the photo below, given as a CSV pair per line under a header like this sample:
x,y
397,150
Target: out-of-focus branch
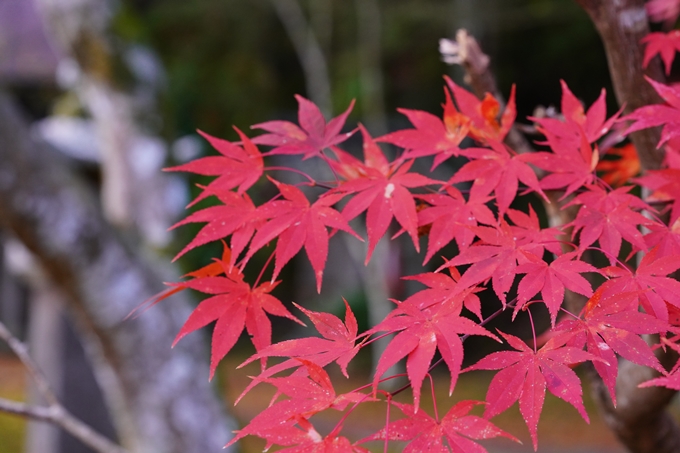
x,y
157,395
131,156
309,52
54,412
370,65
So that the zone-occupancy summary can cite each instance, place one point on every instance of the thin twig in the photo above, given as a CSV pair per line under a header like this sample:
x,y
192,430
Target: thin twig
x,y
54,412
38,377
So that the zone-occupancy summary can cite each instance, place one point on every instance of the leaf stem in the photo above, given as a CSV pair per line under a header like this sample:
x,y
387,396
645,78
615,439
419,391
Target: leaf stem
x,y
294,170
533,327
434,398
266,265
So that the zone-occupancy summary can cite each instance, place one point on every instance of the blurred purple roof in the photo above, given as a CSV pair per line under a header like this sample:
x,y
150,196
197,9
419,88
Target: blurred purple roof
x,y
25,51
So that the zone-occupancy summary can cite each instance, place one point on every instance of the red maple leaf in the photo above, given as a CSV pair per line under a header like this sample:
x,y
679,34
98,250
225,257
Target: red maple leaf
x,y
529,234
234,305
422,330
607,217
329,444
450,216
213,269
443,288
432,136
551,280
568,166
484,114
308,395
663,10
498,169
611,323
350,168
232,217
337,345
382,191
525,374
663,44
650,279
665,238
671,381
296,223
310,138
237,167
566,135
667,115
427,434
665,185
494,256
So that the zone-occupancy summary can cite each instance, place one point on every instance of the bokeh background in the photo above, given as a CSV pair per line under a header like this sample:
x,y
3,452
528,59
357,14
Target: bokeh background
x,y
138,78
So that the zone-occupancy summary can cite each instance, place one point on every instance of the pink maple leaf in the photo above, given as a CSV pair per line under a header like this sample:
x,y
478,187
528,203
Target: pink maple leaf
x,y
296,223
336,345
382,190
484,114
610,325
663,44
525,374
310,138
236,167
498,169
667,115
234,305
551,280
431,136
427,434
421,332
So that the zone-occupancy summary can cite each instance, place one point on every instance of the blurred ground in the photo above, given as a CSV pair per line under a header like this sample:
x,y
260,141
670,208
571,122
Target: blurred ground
x,y
561,429
12,386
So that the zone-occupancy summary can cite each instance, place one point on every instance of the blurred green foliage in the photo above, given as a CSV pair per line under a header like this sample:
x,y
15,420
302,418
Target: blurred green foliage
x,y
231,62
13,429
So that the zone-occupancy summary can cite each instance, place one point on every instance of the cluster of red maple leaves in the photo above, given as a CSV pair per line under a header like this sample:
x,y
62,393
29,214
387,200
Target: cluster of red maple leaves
x,y
630,295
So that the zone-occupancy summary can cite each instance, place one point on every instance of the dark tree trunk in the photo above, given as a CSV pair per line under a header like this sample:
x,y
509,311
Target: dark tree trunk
x,y
640,421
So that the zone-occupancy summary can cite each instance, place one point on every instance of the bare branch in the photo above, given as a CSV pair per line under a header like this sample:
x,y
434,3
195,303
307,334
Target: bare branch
x,y
21,352
54,412
370,69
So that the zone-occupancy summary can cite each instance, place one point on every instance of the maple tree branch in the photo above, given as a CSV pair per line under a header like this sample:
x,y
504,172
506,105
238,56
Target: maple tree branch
x,y
481,79
54,413
621,25
21,351
479,76
466,52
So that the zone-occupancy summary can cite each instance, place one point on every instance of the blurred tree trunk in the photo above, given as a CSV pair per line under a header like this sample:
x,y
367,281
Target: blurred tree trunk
x,y
160,398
